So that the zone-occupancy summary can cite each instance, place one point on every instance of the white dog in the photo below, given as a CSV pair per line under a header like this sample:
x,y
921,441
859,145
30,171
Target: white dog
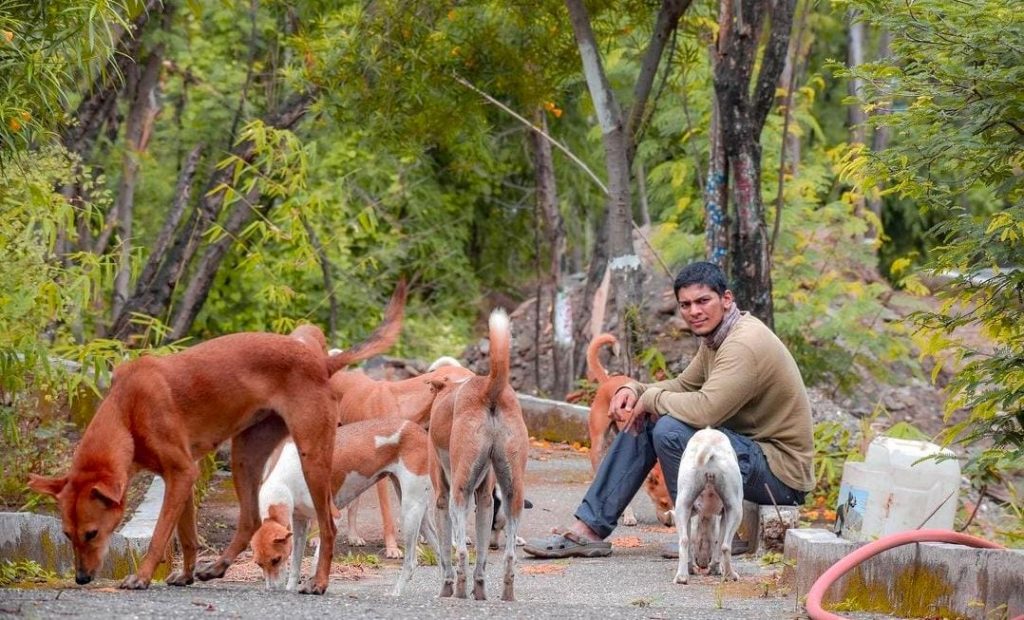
x,y
710,488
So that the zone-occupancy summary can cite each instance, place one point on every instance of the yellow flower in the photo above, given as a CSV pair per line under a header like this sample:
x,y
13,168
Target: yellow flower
x,y
8,36
14,124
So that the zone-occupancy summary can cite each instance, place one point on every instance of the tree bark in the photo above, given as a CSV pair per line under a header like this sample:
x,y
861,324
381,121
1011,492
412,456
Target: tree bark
x,y
742,116
716,196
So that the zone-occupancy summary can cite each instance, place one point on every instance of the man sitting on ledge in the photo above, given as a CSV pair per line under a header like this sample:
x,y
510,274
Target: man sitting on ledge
x,y
742,381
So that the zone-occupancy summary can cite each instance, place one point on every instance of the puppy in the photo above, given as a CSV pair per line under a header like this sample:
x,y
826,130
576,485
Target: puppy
x,y
603,430
165,413
479,436
363,398
364,453
711,488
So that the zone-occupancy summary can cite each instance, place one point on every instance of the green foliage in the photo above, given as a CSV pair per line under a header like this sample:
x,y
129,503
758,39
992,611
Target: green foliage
x,y
13,573
834,444
952,88
44,48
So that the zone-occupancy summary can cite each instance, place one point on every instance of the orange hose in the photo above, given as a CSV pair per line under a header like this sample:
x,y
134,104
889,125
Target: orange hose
x,y
845,564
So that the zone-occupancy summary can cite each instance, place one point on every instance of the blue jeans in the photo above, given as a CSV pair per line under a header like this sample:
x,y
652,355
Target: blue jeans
x,y
630,458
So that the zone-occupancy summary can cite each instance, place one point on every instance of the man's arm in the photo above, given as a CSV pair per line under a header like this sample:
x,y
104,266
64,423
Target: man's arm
x,y
731,384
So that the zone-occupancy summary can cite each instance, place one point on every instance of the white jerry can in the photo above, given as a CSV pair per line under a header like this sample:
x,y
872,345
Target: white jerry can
x,y
894,490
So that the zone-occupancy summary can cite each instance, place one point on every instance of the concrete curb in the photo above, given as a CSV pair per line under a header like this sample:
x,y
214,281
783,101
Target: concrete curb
x,y
913,581
40,538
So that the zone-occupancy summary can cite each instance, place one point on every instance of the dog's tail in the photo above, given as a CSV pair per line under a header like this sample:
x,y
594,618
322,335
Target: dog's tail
x,y
380,340
704,454
594,360
500,345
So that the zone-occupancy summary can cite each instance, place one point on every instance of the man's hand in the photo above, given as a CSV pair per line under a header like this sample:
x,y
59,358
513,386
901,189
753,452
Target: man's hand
x,y
626,407
621,407
639,419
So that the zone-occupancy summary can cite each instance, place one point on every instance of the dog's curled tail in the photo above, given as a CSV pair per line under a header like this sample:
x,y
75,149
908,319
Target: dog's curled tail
x,y
594,360
500,346
704,454
382,339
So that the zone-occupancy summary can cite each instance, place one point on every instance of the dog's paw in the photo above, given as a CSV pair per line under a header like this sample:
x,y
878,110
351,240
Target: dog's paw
x,y
478,590
356,541
446,589
733,576
312,587
180,578
211,570
682,578
134,582
629,518
393,553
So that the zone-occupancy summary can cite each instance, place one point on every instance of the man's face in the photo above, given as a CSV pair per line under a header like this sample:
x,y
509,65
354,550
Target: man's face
x,y
703,308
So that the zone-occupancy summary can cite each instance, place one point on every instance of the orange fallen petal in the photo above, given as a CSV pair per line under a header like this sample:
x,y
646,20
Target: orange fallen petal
x,y
543,569
627,542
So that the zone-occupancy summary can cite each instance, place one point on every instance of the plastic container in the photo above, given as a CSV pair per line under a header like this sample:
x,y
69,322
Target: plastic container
x,y
893,490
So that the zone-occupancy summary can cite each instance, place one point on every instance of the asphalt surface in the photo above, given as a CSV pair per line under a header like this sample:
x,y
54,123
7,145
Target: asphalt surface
x,y
634,582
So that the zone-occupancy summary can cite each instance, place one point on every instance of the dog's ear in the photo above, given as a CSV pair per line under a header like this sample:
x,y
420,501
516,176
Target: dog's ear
x,y
436,385
45,485
109,492
280,540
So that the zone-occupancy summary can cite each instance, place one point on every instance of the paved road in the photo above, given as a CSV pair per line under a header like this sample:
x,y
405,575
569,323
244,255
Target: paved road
x,y
633,583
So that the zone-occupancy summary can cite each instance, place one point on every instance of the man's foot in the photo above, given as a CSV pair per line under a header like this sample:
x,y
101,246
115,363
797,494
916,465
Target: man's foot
x,y
670,550
567,544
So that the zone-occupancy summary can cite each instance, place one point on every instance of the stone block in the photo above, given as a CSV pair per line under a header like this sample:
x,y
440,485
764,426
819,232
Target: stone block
x,y
917,580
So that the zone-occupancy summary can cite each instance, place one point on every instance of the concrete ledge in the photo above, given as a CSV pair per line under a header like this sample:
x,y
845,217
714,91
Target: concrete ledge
x,y
919,580
555,420
28,536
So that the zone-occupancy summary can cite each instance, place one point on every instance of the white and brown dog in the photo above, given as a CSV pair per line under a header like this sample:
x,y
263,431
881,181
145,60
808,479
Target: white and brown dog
x,y
364,398
711,489
364,452
478,436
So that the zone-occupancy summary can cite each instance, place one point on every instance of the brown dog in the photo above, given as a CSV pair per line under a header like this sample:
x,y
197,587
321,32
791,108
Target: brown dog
x,y
479,436
363,398
602,430
164,413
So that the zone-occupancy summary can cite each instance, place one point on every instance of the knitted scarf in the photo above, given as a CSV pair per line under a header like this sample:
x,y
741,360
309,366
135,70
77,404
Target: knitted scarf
x,y
717,337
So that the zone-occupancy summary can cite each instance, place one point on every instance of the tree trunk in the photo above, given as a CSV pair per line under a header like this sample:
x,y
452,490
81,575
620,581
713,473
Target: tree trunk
x,y
555,287
880,139
855,87
143,110
742,115
198,289
622,260
716,196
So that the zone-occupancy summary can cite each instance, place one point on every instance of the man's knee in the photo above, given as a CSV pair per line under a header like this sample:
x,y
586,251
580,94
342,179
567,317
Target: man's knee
x,y
670,436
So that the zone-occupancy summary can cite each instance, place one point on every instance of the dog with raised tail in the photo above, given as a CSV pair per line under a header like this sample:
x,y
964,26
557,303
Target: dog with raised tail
x,y
603,429
711,489
163,413
364,452
479,437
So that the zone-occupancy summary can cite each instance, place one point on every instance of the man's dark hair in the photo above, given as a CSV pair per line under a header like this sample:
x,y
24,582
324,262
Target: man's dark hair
x,y
701,272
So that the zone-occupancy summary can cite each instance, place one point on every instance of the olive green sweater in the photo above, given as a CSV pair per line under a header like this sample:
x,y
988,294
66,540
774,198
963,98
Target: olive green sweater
x,y
752,386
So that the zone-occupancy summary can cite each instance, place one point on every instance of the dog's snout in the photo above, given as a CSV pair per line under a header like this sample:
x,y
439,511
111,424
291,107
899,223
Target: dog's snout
x,y
82,578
